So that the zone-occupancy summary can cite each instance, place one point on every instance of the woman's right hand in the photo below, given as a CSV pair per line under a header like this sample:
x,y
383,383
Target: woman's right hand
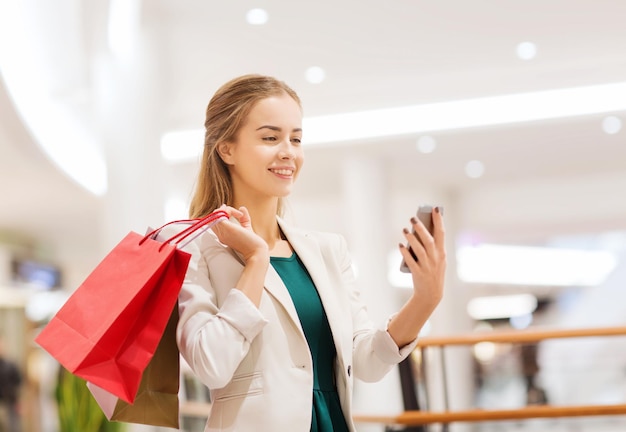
x,y
240,236
252,248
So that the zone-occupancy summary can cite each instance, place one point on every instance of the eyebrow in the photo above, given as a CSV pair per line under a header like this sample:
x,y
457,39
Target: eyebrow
x,y
277,129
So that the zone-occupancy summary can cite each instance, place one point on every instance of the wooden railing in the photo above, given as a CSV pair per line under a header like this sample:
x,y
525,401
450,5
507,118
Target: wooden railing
x,y
421,417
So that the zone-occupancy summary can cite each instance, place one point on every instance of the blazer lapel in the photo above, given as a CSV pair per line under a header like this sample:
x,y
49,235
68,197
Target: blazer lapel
x,y
275,287
308,249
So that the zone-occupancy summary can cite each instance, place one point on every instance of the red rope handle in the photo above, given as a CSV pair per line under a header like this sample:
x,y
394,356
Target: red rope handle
x,y
196,224
209,221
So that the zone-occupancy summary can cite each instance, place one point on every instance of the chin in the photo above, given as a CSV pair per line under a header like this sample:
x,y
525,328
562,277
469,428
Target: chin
x,y
284,193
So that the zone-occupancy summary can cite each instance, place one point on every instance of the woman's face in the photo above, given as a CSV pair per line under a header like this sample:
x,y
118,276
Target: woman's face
x,y
267,155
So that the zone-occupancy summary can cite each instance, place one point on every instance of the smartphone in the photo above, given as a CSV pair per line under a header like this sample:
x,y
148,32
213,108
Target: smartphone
x,y
425,215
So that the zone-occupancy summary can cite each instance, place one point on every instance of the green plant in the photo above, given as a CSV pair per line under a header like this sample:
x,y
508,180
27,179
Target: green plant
x,y
78,410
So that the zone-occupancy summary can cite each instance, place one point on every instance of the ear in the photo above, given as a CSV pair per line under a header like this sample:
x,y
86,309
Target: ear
x,y
225,150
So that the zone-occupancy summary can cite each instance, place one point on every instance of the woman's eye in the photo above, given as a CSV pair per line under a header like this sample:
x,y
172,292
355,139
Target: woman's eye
x,y
296,140
270,139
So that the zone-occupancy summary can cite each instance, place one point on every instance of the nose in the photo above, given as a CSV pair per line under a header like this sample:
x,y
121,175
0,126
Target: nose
x,y
287,151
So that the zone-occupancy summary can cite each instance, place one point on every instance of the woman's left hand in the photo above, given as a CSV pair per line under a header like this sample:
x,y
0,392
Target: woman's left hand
x,y
428,271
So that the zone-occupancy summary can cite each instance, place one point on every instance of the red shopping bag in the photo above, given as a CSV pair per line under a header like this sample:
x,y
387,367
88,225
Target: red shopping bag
x,y
157,400
109,328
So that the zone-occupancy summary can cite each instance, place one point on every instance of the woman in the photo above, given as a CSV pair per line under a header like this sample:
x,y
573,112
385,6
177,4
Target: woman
x,y
270,319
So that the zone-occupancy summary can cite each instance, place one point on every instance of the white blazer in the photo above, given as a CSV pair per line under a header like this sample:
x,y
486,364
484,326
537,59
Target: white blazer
x,y
256,361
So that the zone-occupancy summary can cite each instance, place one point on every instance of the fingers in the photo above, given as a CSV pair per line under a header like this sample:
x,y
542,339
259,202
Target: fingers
x,y
419,239
242,215
244,220
425,256
232,211
408,257
438,227
421,244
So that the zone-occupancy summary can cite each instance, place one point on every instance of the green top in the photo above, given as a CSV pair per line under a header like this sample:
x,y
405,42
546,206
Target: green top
x,y
327,413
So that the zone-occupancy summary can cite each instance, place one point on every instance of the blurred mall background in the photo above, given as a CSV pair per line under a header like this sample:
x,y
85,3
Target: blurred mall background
x,y
508,114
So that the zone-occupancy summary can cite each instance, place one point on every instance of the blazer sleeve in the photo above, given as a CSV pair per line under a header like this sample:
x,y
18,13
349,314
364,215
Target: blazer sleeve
x,y
374,351
213,339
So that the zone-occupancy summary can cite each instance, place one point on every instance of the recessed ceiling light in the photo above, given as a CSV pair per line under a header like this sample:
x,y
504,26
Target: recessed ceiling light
x,y
257,16
611,125
426,144
474,169
526,50
315,74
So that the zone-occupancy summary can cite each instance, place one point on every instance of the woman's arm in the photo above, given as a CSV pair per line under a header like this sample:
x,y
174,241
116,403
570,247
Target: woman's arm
x,y
428,274
251,247
219,322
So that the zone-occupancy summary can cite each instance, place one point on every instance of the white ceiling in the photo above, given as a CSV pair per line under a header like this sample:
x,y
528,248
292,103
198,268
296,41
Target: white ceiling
x,y
375,54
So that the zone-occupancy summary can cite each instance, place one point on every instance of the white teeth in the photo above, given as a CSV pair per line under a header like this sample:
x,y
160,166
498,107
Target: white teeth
x,y
284,172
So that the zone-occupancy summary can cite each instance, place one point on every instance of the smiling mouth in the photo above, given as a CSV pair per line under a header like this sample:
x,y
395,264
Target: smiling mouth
x,y
283,172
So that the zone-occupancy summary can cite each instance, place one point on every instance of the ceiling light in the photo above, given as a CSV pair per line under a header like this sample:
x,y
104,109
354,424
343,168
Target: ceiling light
x,y
474,169
257,16
465,113
315,74
498,307
611,125
526,50
525,265
426,144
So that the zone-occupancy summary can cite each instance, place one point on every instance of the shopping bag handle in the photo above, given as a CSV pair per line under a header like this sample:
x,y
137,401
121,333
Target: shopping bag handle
x,y
206,221
199,227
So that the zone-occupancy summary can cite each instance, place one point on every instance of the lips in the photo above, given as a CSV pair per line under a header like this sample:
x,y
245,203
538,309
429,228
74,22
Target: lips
x,y
286,172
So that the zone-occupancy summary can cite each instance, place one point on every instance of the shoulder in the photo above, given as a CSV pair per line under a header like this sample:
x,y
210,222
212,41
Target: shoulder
x,y
330,239
326,240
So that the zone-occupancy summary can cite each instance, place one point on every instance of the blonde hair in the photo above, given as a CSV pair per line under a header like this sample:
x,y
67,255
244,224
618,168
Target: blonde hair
x,y
225,115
